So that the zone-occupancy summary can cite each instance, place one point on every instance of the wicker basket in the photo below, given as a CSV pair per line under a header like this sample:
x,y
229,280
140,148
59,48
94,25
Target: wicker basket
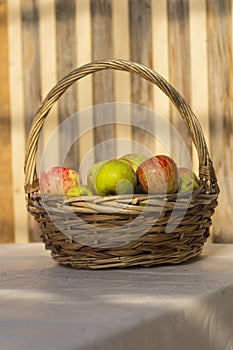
x,y
111,216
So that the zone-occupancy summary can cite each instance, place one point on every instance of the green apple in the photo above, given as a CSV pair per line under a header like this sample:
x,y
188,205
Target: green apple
x,y
82,190
188,180
133,159
115,177
92,174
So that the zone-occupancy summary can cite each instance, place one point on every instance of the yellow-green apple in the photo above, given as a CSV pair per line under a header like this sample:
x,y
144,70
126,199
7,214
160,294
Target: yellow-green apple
x,y
133,159
82,190
92,174
58,180
115,177
158,174
188,180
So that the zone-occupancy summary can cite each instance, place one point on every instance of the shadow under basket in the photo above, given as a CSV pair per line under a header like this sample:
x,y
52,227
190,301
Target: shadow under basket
x,y
96,232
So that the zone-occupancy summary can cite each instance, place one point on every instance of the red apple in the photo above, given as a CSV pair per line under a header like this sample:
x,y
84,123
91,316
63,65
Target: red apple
x,y
58,180
158,174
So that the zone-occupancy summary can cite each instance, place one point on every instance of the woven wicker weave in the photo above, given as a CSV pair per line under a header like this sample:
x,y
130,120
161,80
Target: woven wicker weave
x,y
65,223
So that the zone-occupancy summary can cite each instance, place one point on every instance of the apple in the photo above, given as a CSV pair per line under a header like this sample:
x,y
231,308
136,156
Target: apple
x,y
133,159
158,174
58,180
188,180
115,177
92,174
82,190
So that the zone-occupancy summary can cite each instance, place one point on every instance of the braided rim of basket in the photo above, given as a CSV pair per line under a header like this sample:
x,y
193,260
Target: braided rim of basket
x,y
207,175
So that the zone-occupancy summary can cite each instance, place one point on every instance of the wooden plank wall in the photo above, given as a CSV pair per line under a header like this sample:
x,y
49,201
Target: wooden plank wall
x,y
190,43
6,189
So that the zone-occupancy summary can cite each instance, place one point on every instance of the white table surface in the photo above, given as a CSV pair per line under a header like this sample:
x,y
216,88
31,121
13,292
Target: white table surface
x,y
44,305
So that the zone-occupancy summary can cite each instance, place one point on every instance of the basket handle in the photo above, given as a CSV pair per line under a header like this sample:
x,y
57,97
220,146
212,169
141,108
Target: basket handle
x,y
206,170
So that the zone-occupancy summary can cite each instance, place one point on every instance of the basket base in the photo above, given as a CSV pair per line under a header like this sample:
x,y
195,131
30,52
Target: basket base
x,y
147,260
149,250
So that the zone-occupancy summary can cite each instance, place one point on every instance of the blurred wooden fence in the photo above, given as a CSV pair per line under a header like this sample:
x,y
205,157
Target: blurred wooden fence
x,y
188,42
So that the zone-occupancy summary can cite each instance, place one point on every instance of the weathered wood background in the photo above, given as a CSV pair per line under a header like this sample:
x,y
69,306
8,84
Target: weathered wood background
x,y
190,43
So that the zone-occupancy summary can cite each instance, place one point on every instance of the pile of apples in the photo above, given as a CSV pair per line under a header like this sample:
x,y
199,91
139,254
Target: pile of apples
x,y
132,173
